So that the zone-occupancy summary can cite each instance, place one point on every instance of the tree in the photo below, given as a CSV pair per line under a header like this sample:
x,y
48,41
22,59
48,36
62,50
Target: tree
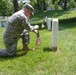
x,y
15,3
67,4
39,4
6,7
53,1
72,3
44,5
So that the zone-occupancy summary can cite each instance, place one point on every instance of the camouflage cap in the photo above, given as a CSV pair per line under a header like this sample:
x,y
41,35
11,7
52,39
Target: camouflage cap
x,y
29,7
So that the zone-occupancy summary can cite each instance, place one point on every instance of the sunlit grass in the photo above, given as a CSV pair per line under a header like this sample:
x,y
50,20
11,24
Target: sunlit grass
x,y
43,61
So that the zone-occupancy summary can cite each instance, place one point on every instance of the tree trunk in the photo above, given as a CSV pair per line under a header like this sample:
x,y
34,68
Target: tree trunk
x,y
65,4
44,5
15,3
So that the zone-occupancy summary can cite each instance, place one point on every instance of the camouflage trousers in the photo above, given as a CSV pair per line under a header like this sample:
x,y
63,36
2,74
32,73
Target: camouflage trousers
x,y
11,45
25,37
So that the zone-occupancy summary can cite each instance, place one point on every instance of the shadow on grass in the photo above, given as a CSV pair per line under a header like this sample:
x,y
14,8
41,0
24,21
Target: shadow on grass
x,y
19,53
53,13
47,49
63,24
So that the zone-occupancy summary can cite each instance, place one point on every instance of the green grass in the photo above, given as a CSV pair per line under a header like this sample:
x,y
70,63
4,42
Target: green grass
x,y
60,14
43,61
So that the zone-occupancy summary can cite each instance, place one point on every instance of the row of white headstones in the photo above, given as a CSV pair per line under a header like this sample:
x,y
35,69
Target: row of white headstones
x,y
52,24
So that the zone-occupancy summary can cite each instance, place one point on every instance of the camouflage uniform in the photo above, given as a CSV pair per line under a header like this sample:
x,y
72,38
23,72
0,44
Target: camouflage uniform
x,y
25,37
16,24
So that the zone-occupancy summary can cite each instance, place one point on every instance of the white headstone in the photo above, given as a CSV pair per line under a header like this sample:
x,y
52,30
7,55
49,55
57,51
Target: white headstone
x,y
3,23
0,24
54,33
48,21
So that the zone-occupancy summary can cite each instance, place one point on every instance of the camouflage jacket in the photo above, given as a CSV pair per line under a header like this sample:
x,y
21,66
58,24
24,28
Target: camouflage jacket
x,y
16,24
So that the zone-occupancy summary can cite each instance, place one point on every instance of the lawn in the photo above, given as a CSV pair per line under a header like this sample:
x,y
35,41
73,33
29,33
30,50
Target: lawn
x,y
43,61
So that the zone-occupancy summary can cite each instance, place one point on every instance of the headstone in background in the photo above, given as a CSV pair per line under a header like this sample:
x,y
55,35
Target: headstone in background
x,y
48,22
54,34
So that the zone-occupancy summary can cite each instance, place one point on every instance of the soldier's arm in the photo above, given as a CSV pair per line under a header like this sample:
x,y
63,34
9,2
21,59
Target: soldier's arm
x,y
28,26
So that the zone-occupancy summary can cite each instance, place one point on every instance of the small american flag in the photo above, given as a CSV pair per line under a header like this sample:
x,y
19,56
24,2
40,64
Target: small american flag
x,y
43,25
38,40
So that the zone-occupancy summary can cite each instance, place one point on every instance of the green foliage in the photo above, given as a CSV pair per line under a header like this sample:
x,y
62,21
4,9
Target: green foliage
x,y
71,4
3,7
53,1
40,4
56,4
20,6
6,7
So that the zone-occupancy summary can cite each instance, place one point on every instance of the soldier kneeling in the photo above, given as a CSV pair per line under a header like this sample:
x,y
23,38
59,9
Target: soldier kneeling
x,y
25,40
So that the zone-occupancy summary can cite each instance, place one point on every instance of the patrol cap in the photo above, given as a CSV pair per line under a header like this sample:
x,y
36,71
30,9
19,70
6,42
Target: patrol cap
x,y
29,7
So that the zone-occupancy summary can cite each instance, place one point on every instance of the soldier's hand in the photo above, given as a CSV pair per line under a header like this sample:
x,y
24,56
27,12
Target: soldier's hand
x,y
36,27
37,32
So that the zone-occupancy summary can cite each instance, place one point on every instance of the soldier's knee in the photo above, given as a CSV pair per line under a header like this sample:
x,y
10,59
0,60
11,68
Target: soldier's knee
x,y
11,52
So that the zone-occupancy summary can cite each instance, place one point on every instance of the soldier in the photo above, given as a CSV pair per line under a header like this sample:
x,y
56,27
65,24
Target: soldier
x,y
16,24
